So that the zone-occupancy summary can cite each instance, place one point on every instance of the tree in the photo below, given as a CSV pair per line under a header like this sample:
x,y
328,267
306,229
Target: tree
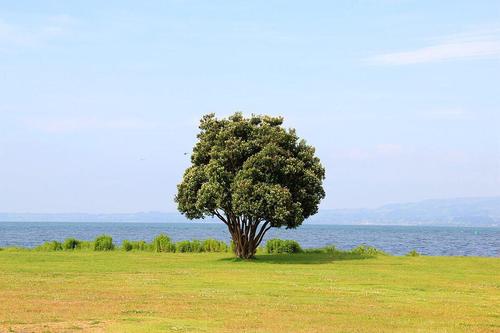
x,y
252,174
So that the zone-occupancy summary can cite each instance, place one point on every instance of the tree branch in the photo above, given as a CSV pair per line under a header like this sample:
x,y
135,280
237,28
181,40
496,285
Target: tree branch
x,y
265,227
219,215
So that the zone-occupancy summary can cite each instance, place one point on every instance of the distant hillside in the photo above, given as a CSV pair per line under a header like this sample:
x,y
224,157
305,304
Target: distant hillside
x,y
456,212
452,212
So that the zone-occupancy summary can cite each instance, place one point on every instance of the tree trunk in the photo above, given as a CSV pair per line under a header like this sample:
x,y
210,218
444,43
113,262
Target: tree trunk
x,y
247,237
243,248
245,232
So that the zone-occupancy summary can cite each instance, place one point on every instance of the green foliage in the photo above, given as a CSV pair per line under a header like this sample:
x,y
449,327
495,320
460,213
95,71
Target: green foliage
x,y
251,167
330,249
196,246
127,245
360,252
104,243
141,246
190,246
71,244
276,246
162,243
365,250
183,246
135,245
413,253
86,245
68,244
50,246
213,245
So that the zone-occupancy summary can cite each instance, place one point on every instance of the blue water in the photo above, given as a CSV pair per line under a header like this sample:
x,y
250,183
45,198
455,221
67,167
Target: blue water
x,y
398,240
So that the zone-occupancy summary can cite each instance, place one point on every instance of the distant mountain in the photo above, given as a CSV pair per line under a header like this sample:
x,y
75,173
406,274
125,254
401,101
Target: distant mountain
x,y
452,212
445,212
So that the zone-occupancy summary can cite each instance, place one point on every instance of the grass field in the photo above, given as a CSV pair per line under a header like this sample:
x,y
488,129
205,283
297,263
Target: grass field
x,y
177,292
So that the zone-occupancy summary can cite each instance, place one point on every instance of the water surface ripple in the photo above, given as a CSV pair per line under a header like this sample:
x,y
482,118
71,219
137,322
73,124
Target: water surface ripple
x,y
398,240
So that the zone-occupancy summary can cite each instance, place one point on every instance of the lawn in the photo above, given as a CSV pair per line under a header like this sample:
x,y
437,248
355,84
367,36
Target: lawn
x,y
186,292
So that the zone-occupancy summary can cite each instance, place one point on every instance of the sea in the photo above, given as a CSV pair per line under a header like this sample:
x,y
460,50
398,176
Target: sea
x,y
397,240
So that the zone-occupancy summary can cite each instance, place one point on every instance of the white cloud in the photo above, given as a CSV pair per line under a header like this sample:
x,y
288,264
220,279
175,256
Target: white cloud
x,y
471,45
76,124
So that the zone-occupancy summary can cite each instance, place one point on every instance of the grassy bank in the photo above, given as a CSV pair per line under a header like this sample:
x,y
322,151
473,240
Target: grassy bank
x,y
119,291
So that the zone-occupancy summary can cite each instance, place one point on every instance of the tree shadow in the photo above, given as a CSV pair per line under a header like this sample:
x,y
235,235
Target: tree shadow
x,y
301,258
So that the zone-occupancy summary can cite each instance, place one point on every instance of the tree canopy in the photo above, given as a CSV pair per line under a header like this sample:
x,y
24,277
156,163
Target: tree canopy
x,y
252,174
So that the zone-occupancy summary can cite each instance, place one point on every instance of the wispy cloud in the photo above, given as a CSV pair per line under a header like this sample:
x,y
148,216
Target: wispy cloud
x,y
78,124
450,113
35,35
470,45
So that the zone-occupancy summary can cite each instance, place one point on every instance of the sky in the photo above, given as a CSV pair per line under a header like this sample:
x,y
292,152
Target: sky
x,y
100,100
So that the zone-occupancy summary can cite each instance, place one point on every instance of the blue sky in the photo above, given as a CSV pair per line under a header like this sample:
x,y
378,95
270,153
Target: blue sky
x,y
100,100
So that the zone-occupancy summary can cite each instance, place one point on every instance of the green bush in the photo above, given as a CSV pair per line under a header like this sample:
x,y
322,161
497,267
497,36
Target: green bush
x,y
183,246
103,243
141,245
360,252
292,246
127,245
367,251
213,245
71,244
196,246
50,246
276,246
162,243
413,253
135,245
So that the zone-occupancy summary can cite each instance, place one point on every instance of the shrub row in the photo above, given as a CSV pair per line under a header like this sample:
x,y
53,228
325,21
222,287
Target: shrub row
x,y
277,246
161,243
101,243
360,251
135,245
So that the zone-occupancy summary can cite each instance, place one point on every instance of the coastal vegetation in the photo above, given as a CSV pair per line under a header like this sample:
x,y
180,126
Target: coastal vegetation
x,y
163,243
323,290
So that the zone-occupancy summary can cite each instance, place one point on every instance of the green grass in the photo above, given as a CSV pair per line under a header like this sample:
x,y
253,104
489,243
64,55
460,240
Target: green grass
x,y
118,291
